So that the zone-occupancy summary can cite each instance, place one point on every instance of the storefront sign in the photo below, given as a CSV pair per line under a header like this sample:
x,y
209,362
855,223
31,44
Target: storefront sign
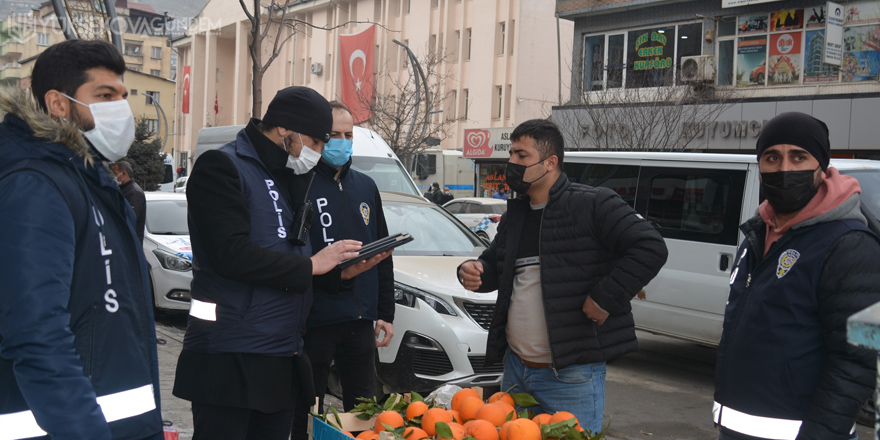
x,y
654,52
833,53
487,143
738,3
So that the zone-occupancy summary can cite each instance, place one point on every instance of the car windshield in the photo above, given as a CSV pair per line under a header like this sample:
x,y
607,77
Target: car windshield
x,y
869,180
167,217
435,232
388,173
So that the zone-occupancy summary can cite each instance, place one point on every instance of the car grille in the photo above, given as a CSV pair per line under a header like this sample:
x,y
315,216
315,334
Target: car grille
x,y
431,363
480,312
478,363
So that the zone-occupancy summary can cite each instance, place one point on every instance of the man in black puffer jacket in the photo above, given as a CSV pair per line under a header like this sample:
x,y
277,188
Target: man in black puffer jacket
x,y
566,262
809,261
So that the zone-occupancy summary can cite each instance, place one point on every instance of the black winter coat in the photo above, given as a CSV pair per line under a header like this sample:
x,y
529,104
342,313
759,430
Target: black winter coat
x,y
592,244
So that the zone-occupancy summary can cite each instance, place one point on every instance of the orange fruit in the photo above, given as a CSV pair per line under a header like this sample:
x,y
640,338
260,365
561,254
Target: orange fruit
x,y
468,409
461,396
433,416
542,419
494,413
523,429
456,417
458,432
348,434
565,415
482,430
502,433
413,433
466,424
509,410
502,396
416,409
390,418
368,435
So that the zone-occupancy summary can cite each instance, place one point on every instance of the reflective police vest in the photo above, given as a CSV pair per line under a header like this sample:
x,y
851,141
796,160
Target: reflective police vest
x,y
771,353
237,317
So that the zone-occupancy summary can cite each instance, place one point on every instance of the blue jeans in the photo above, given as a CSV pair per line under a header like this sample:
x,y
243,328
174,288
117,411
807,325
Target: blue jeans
x,y
578,389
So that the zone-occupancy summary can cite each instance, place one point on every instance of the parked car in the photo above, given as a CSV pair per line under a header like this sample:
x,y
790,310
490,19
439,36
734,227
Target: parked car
x,y
481,214
168,250
440,329
180,184
697,201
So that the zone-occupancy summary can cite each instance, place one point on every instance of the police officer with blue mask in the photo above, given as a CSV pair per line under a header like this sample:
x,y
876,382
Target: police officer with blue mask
x,y
353,308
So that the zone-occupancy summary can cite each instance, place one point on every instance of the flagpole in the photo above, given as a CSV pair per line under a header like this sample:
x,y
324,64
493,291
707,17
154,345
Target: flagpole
x,y
416,70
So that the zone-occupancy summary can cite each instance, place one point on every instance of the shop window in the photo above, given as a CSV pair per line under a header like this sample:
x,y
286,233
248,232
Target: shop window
x,y
650,55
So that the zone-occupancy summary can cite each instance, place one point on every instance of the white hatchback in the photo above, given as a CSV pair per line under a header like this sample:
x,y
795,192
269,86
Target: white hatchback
x,y
168,250
481,214
440,329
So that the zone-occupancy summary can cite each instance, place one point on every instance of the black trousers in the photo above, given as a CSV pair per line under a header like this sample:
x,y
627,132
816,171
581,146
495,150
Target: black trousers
x,y
351,346
226,423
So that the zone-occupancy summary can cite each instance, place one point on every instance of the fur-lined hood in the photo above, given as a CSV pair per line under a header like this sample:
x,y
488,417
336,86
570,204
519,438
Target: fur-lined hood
x,y
21,103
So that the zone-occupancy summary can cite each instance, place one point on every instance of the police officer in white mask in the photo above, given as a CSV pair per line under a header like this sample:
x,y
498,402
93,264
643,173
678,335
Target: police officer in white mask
x,y
252,273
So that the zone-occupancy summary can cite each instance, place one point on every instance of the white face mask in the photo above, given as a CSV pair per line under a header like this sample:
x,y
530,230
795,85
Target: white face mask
x,y
307,159
114,128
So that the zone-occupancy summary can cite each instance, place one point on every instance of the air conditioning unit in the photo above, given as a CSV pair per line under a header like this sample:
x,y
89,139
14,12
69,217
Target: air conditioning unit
x,y
317,69
700,68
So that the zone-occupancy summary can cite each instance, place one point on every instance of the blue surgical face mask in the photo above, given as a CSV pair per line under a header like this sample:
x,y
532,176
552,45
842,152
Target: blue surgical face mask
x,y
337,152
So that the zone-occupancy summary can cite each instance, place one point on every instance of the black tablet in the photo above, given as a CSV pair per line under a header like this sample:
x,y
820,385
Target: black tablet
x,y
377,247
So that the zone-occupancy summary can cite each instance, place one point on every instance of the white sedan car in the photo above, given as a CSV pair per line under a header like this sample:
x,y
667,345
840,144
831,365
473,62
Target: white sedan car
x,y
481,214
168,250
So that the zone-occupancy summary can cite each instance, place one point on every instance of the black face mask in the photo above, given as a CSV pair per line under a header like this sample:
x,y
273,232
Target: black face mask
x,y
515,173
788,191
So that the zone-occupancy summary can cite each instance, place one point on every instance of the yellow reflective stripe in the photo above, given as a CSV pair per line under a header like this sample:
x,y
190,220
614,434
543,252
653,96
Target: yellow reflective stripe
x,y
203,310
755,426
116,406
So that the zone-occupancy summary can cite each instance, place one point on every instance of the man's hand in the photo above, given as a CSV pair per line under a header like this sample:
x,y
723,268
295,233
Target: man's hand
x,y
363,266
594,312
469,275
389,332
330,256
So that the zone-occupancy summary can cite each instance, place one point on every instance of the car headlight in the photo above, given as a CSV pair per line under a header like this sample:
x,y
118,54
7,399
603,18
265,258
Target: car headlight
x,y
172,262
406,296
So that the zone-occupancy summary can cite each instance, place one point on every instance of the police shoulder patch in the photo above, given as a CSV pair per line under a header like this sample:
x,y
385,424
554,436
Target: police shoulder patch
x,y
786,261
365,212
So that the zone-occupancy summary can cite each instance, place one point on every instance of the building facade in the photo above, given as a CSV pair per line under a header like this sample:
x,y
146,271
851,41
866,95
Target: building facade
x,y
632,84
500,63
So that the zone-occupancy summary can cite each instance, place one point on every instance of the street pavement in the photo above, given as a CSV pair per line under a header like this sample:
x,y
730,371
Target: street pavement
x,y
175,410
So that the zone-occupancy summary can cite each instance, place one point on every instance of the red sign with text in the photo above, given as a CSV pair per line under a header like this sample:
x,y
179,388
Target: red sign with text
x,y
476,143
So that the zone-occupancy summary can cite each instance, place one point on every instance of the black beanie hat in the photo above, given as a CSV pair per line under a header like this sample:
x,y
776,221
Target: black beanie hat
x,y
302,110
799,129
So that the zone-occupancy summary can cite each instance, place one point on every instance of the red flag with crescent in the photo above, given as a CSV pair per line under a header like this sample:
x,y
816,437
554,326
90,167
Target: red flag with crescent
x,y
356,64
184,106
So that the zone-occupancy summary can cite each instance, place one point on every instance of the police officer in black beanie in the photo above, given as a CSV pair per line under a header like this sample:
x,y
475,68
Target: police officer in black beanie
x,y
808,262
242,364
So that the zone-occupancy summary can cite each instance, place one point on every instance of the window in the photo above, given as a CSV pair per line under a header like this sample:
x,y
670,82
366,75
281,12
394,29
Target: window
x,y
456,45
156,53
455,207
155,72
42,39
465,106
451,103
435,4
507,101
151,96
496,107
408,5
133,68
510,37
133,50
499,38
646,57
432,44
623,179
152,125
470,34
692,204
133,92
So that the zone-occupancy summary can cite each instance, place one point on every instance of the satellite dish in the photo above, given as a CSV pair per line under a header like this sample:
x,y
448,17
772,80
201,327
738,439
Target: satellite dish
x,y
89,20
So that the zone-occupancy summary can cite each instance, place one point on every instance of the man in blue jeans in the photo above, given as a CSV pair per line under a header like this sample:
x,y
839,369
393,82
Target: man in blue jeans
x,y
566,262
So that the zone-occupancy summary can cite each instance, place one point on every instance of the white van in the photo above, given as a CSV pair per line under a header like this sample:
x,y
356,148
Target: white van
x,y
697,201
371,156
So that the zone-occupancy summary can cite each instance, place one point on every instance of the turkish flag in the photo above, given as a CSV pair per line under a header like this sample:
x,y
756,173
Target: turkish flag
x,y
356,63
216,104
186,80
